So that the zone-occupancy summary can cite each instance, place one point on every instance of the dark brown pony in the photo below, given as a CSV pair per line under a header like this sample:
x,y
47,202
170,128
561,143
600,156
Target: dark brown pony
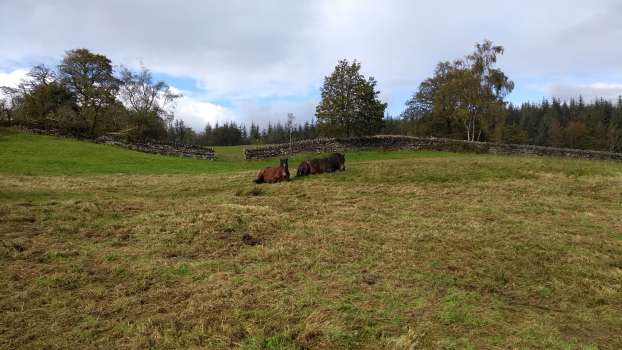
x,y
337,161
272,175
304,168
334,162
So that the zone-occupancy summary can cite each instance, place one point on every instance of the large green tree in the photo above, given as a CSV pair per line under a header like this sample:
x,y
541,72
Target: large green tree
x,y
89,77
350,105
469,91
46,103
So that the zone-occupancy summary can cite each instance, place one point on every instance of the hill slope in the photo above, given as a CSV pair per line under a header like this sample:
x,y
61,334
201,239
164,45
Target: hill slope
x,y
29,154
446,251
22,153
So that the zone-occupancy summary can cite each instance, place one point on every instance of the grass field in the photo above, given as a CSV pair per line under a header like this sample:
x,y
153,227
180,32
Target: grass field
x,y
29,154
107,248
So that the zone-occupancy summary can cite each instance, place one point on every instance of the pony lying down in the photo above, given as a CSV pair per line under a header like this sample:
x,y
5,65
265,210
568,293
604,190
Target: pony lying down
x,y
273,175
334,162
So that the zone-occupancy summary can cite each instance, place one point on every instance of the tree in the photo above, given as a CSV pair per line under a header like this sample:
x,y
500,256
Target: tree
x,y
150,104
40,75
575,134
469,91
180,133
255,134
228,134
143,96
9,100
614,133
290,126
89,77
350,104
46,106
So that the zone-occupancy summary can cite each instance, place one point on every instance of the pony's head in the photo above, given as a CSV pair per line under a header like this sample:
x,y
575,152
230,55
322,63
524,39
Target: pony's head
x,y
284,168
342,161
338,160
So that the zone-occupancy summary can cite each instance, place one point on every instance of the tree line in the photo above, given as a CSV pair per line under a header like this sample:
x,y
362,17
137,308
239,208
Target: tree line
x,y
84,96
463,99
232,133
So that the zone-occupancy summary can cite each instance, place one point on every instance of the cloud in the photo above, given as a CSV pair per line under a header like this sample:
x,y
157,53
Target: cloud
x,y
589,92
197,113
275,112
249,52
13,78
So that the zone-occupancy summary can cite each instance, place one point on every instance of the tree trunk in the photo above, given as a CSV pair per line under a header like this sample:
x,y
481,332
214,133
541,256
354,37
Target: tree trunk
x,y
95,114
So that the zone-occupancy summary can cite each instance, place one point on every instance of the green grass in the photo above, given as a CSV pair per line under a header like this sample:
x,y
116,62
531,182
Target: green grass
x,y
28,154
404,249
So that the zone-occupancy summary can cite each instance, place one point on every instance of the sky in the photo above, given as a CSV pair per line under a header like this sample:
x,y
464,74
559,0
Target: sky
x,y
256,61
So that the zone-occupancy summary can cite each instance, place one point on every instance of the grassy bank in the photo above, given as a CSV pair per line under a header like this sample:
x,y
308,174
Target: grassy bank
x,y
29,154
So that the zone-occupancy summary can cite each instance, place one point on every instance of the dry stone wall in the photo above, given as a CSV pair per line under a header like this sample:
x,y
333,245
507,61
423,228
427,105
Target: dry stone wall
x,y
164,149
419,143
179,150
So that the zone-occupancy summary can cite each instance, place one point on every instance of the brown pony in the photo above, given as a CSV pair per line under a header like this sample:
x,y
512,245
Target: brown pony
x,y
334,162
272,175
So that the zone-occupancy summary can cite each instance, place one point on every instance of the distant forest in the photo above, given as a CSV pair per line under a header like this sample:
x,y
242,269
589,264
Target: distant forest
x,y
574,124
85,96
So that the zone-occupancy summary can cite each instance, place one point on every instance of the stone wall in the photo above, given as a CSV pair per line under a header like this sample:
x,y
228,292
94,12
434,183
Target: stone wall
x,y
163,149
179,150
419,143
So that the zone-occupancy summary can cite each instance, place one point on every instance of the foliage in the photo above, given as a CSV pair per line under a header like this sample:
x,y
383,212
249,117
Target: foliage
x,y
50,104
575,124
150,104
350,104
231,133
83,97
469,92
90,78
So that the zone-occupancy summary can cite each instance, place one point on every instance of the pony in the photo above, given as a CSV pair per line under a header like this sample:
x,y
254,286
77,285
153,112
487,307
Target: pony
x,y
304,168
337,161
272,175
334,162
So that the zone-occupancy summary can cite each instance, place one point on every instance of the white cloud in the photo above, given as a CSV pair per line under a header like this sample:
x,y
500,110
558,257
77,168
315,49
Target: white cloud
x,y
197,113
263,114
589,92
13,78
250,50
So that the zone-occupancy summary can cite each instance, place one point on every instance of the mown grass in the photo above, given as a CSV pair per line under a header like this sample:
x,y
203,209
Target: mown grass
x,y
431,250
